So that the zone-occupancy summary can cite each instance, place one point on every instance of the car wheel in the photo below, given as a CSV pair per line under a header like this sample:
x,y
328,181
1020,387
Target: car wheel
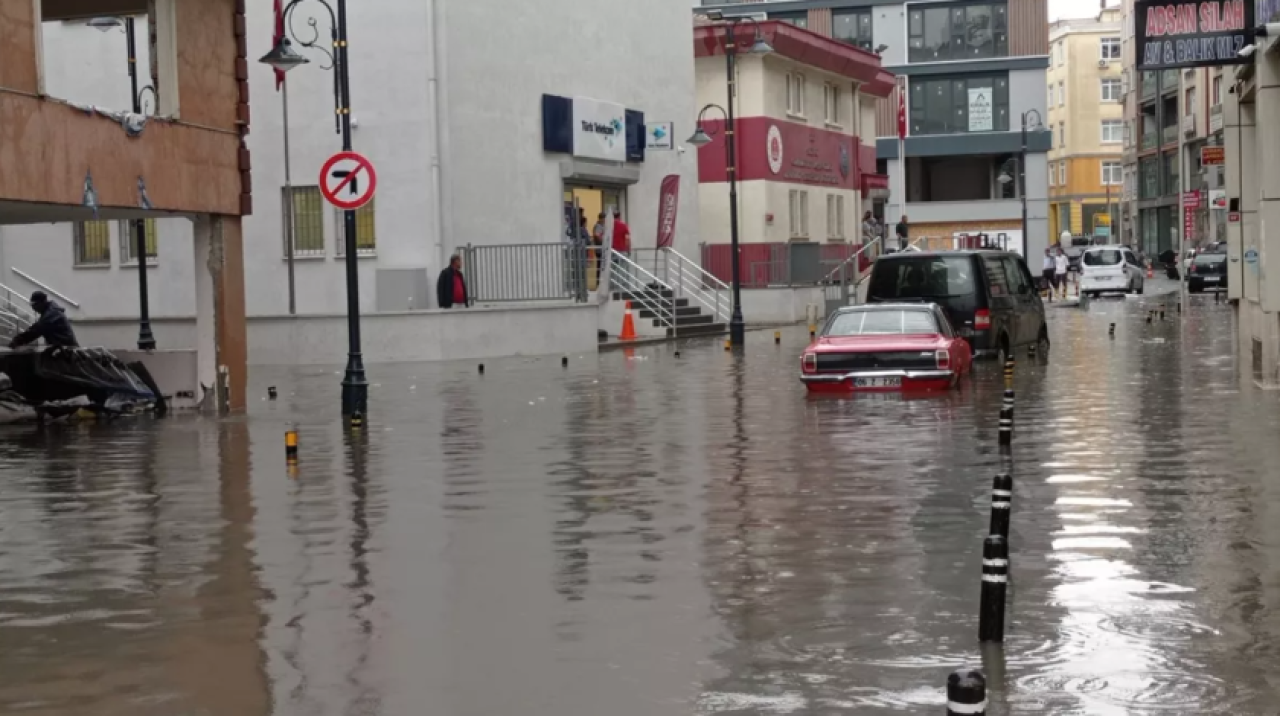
x,y
1042,343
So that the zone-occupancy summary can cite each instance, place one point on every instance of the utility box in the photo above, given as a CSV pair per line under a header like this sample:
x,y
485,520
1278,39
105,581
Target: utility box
x,y
806,263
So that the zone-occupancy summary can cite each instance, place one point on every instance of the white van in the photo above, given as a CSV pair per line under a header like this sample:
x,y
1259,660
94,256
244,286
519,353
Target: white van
x,y
1112,269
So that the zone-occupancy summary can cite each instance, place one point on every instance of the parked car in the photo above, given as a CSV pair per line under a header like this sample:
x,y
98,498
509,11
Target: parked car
x,y
1207,271
988,296
1111,269
886,347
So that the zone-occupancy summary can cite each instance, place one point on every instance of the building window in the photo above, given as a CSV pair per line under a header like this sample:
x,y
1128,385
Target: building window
x,y
1050,135
1062,173
951,31
835,216
831,103
308,222
1112,174
1057,54
1062,135
798,204
853,27
92,243
1050,95
1062,94
795,94
1053,176
1109,48
1216,96
1110,90
1189,102
366,236
1148,178
1112,131
129,240
951,105
799,19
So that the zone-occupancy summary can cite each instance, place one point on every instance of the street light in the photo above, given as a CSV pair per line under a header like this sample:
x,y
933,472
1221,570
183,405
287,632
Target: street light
x,y
355,387
146,338
700,138
1022,169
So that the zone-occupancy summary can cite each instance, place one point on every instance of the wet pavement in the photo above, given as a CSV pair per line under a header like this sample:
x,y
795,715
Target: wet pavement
x,y
641,534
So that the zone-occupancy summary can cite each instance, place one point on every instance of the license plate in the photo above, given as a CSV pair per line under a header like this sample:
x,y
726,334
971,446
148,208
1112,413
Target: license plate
x,y
1211,279
894,382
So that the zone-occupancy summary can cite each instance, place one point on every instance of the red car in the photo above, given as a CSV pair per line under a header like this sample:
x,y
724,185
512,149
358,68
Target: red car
x,y
886,347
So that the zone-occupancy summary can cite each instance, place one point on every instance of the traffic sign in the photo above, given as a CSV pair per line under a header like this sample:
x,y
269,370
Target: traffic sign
x,y
348,180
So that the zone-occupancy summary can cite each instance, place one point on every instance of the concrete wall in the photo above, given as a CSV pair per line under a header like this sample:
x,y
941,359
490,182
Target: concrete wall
x,y
780,305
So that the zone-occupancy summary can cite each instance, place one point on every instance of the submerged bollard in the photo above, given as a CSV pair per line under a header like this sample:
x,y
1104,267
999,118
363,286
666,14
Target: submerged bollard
x,y
271,392
995,580
813,330
482,369
1112,331
291,445
1008,401
357,421
1006,427
1162,314
966,693
1001,504
1148,317
728,344
777,338
564,361
1008,373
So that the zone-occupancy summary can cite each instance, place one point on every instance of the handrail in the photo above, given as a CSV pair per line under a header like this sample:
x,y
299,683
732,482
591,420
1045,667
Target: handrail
x,y
65,298
878,241
688,279
641,292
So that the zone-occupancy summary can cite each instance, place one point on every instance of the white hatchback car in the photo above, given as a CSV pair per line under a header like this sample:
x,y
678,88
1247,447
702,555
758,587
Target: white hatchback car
x,y
1110,269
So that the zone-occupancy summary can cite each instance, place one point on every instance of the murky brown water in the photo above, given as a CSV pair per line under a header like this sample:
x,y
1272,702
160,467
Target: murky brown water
x,y
645,535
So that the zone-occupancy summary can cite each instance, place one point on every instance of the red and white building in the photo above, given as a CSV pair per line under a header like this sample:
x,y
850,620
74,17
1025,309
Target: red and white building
x,y
806,140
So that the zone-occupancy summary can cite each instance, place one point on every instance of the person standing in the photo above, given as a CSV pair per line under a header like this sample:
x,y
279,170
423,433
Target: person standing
x,y
621,234
1050,273
902,231
868,228
451,288
52,325
1060,264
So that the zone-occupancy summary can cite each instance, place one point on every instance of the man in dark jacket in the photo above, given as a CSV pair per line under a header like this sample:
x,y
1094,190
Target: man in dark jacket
x,y
451,289
52,325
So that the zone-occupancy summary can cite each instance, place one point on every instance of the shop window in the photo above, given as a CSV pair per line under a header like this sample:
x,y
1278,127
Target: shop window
x,y
951,105
129,241
308,221
366,236
798,208
835,216
957,31
92,243
853,27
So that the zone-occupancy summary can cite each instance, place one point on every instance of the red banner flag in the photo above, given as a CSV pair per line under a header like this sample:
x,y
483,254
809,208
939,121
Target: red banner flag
x,y
902,110
668,204
277,37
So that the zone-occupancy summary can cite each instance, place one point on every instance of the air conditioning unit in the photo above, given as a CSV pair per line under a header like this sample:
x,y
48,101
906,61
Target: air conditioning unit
x,y
1103,63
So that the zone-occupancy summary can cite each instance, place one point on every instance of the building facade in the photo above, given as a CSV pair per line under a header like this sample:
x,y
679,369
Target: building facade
x,y
449,102
1086,116
972,71
806,137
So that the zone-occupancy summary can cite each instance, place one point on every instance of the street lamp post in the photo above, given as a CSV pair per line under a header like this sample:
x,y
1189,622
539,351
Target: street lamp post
x,y
355,386
1022,173
146,338
737,326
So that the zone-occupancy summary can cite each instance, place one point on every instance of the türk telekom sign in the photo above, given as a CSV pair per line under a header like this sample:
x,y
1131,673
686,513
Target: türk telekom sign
x,y
1192,34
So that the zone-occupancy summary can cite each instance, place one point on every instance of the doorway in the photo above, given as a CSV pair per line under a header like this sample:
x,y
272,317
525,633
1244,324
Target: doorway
x,y
591,201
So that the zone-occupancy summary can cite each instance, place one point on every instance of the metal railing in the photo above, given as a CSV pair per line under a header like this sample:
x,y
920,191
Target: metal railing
x,y
641,287
69,301
526,272
688,280
15,316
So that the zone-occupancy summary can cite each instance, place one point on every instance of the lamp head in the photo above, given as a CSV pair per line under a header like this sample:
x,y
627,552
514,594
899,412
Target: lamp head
x,y
700,138
282,57
760,46
103,24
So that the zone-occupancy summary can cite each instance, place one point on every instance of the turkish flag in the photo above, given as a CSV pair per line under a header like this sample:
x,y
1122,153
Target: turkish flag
x,y
277,38
902,110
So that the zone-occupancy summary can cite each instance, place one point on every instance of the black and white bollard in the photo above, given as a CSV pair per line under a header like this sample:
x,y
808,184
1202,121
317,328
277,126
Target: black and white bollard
x,y
1148,317
1162,314
1006,427
966,693
271,392
1112,331
1008,401
482,369
564,361
995,581
1009,366
1001,504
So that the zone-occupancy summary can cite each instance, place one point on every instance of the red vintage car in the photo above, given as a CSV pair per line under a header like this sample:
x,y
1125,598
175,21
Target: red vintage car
x,y
886,347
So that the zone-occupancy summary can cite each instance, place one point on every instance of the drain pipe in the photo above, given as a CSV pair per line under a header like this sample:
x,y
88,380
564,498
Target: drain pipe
x,y
439,89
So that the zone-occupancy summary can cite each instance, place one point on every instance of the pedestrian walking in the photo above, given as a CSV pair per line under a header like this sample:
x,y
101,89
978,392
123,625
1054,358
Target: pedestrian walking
x,y
451,288
1060,264
902,231
1049,273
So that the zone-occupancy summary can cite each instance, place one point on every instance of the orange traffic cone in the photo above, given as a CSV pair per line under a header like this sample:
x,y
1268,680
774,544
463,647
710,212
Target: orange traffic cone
x,y
1151,270
628,326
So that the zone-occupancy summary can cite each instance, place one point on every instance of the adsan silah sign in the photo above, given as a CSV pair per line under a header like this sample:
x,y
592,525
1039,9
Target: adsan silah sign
x,y
1192,34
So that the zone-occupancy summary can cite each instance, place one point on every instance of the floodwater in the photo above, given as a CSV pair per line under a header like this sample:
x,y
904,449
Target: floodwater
x,y
644,535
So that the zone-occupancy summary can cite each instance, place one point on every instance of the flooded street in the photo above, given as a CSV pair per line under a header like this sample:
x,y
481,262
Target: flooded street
x,y
641,534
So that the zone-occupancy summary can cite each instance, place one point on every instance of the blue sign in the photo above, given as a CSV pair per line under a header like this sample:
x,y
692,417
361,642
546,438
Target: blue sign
x,y
1251,256
1103,231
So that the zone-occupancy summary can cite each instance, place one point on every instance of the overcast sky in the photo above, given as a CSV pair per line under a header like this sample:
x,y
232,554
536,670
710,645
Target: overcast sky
x,y
1059,9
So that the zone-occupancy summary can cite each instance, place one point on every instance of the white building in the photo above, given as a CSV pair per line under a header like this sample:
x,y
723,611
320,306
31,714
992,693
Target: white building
x,y
448,103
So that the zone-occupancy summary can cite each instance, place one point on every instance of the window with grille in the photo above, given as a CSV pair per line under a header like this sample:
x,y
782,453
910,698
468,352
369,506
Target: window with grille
x,y
92,243
129,242
308,221
366,235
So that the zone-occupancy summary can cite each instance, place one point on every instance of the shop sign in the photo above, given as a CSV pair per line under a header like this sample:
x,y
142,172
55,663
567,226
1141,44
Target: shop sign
x,y
599,130
980,109
660,136
1210,156
1191,199
1218,199
1192,33
778,150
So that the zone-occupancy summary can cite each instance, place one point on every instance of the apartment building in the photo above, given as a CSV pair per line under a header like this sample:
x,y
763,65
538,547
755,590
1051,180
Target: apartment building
x,y
973,72
1086,116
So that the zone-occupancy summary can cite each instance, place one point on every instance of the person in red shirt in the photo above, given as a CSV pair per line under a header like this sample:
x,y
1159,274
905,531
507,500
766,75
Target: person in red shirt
x,y
621,234
451,288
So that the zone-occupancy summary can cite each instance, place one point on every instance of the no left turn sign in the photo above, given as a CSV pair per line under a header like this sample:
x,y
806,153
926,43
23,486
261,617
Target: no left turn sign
x,y
348,180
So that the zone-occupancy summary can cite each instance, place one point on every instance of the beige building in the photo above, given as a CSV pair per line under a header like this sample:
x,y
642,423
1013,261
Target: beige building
x,y
1086,114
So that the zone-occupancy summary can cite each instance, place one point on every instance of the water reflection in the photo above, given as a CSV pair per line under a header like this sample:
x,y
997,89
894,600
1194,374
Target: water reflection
x,y
646,534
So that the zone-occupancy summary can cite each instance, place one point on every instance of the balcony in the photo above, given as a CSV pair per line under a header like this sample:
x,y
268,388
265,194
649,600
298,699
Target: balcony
x,y
1189,124
1148,85
1215,118
1169,135
1149,140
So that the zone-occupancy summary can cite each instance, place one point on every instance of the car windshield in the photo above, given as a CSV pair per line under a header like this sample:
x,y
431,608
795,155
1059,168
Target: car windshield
x,y
1106,257
882,322
1210,258
923,277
